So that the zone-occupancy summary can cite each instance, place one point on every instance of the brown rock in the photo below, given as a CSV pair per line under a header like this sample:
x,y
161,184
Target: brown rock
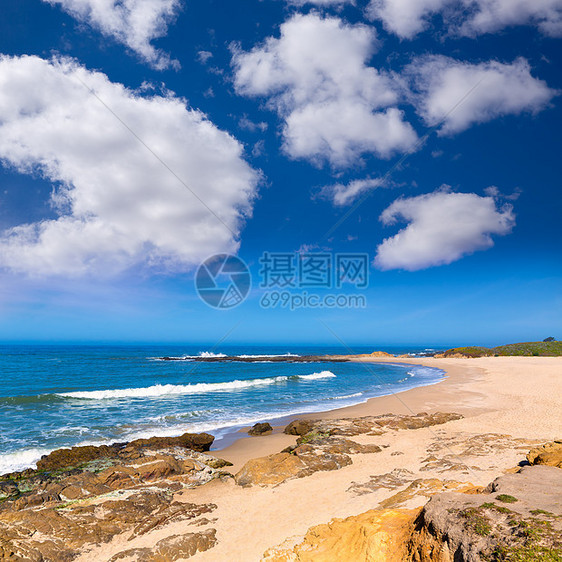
x,y
171,548
460,527
76,456
381,354
549,454
260,429
270,470
299,427
374,536
197,441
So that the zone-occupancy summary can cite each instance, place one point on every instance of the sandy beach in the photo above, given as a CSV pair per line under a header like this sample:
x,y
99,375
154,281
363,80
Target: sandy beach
x,y
509,404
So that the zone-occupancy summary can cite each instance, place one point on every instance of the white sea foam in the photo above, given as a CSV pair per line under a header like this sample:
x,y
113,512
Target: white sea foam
x,y
315,376
20,460
170,389
209,354
158,390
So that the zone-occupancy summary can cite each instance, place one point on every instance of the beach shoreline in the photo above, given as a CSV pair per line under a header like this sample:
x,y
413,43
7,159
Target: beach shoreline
x,y
237,446
480,422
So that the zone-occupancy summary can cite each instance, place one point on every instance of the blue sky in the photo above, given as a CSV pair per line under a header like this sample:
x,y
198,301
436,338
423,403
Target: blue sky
x,y
269,111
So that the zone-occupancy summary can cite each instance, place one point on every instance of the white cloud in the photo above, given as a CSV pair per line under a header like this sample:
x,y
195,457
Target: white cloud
x,y
443,227
134,23
321,3
334,106
204,56
344,193
118,205
488,16
407,18
461,94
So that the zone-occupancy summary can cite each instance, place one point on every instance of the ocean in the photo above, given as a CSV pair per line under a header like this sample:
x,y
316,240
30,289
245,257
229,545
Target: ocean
x,y
54,396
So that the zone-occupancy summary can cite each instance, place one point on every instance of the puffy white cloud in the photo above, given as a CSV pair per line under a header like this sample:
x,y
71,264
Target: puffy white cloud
x,y
461,94
315,76
406,18
134,23
118,205
344,193
443,227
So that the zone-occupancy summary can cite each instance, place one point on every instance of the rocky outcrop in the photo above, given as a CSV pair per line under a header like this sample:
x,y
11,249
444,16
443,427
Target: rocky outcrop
x,y
381,354
549,454
49,515
260,429
312,453
261,358
170,549
517,517
76,456
321,445
373,425
377,535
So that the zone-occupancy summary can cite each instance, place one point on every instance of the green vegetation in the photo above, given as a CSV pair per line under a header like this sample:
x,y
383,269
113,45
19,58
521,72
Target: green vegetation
x,y
527,349
311,436
505,498
532,553
479,523
498,508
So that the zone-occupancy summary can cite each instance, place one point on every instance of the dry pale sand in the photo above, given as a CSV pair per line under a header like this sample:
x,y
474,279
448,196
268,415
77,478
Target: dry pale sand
x,y
512,396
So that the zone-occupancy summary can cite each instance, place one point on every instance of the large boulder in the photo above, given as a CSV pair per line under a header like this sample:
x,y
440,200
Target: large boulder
x,y
549,454
260,429
374,536
270,470
299,427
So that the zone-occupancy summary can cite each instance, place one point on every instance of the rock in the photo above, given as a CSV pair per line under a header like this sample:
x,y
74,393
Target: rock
x,y
78,456
313,452
260,429
371,425
171,548
381,354
299,427
549,454
426,488
391,480
200,442
270,470
50,516
75,456
465,528
377,535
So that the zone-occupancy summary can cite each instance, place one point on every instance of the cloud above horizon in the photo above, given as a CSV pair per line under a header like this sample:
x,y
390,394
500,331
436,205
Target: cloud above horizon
x,y
315,76
469,18
443,226
134,23
342,194
117,205
457,94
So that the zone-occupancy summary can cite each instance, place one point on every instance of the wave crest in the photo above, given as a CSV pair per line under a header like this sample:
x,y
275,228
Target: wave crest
x,y
159,390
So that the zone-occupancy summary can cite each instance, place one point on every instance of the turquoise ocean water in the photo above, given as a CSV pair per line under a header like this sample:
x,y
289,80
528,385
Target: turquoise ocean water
x,y
58,396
